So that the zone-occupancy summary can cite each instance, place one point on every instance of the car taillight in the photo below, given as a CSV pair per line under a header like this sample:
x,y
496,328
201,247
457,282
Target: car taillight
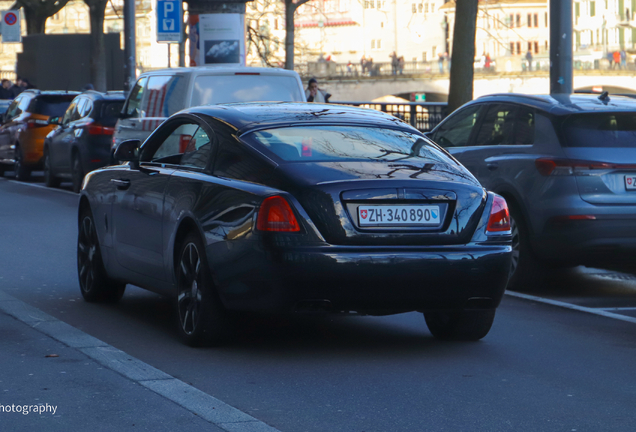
x,y
34,123
96,129
568,167
499,216
276,214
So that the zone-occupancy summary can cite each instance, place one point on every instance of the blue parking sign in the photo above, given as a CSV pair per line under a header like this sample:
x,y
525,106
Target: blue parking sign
x,y
169,21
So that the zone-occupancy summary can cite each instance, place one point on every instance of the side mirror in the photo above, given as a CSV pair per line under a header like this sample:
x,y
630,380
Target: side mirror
x,y
128,151
54,121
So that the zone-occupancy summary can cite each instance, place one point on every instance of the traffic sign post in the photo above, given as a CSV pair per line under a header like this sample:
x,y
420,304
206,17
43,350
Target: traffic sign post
x,y
11,27
169,21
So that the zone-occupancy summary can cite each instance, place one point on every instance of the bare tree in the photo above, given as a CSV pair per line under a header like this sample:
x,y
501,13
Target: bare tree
x,y
36,12
97,11
290,9
463,54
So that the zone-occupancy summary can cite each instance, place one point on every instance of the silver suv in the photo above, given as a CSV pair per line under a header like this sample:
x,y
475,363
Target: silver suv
x,y
567,168
159,94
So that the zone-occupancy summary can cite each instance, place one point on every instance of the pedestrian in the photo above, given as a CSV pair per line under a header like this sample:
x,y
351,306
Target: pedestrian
x,y
487,62
370,66
529,59
363,64
617,59
623,59
5,93
315,94
610,59
16,88
401,65
394,63
440,62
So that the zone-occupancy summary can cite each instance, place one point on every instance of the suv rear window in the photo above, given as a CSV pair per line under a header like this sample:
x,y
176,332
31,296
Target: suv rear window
x,y
52,106
216,89
600,130
112,109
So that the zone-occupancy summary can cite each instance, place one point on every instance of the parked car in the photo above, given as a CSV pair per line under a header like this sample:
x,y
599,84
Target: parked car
x,y
294,207
24,127
159,94
81,141
566,165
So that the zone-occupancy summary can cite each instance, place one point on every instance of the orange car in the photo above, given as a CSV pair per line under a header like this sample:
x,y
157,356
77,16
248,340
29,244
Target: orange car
x,y
24,127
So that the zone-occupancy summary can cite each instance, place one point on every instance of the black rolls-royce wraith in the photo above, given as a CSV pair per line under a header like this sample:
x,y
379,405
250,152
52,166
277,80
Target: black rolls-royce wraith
x,y
280,207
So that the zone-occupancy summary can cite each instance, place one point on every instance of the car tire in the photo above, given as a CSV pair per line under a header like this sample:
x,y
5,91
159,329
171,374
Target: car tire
x,y
201,317
22,173
2,170
460,325
95,285
77,173
525,269
49,178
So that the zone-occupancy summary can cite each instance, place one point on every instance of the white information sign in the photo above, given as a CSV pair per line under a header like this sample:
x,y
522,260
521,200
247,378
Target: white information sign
x,y
169,21
11,27
221,39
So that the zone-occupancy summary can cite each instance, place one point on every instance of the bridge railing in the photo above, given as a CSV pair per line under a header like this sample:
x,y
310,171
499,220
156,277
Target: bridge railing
x,y
423,116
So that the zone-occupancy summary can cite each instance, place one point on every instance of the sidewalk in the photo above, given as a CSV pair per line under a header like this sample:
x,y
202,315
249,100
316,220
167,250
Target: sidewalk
x,y
85,384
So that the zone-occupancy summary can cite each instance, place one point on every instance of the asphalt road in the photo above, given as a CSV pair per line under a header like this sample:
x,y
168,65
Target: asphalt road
x,y
541,368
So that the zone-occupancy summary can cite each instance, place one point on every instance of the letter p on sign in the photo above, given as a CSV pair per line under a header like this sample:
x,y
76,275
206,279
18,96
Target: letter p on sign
x,y
168,7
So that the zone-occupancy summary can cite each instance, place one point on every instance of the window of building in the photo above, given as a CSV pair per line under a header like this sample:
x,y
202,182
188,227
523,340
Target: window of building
x,y
381,25
518,20
512,47
433,51
536,20
546,46
546,19
419,7
413,8
529,20
432,7
511,20
275,23
379,44
371,4
592,8
424,56
372,43
426,8
536,47
529,46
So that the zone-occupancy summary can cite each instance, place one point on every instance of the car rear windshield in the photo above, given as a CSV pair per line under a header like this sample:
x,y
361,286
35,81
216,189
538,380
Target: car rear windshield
x,y
601,130
331,143
52,106
216,89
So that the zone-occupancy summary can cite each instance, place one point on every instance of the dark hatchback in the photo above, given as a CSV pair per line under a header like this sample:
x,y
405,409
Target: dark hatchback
x,y
82,139
294,207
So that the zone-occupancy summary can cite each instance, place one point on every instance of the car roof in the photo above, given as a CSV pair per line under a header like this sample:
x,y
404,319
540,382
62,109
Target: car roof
x,y
565,104
260,115
50,92
221,70
108,96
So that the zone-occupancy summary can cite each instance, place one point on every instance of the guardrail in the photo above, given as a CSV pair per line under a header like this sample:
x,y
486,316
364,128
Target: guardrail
x,y
423,116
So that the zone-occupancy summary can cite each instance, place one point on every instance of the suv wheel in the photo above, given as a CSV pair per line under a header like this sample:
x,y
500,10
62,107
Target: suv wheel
x,y
49,178
525,269
22,173
77,173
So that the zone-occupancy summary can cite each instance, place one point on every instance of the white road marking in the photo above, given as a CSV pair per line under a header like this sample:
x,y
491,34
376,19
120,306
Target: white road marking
x,y
594,311
42,187
202,404
633,308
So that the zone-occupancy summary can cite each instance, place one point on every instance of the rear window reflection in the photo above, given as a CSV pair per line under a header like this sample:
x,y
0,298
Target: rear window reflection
x,y
601,130
329,143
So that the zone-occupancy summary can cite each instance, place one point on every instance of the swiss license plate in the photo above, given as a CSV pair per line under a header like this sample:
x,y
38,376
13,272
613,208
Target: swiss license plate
x,y
630,182
399,215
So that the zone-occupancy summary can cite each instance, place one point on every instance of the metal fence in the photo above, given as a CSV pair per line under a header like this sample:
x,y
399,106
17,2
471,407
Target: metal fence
x,y
423,116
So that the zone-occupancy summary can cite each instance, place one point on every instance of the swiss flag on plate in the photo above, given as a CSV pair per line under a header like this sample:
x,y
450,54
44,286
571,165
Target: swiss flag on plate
x,y
363,214
629,180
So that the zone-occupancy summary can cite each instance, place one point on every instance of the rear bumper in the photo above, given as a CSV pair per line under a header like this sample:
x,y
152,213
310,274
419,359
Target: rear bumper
x,y
608,240
368,280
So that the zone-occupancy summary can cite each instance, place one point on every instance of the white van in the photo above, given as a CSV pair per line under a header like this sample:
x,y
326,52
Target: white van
x,y
159,94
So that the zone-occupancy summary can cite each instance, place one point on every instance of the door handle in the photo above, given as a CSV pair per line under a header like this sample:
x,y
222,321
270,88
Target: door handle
x,y
121,184
492,166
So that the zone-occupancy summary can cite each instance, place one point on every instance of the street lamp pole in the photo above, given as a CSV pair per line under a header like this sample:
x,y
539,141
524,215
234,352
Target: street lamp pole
x,y
561,46
130,64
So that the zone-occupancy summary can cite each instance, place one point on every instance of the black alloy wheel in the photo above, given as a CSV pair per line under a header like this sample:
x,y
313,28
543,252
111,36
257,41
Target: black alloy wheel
x,y
460,325
77,173
525,270
22,173
95,284
201,316
49,178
